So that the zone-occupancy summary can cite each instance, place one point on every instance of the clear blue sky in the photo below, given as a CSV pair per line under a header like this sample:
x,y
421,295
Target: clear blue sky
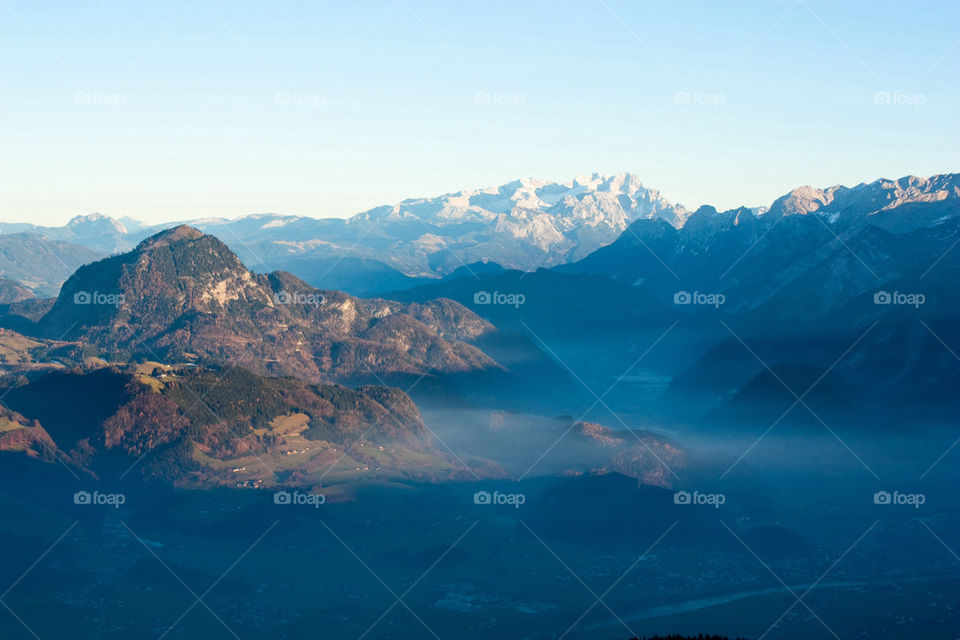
x,y
172,110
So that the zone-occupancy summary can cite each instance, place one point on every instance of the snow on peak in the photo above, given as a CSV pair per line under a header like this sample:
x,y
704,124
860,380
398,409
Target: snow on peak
x,y
95,219
558,219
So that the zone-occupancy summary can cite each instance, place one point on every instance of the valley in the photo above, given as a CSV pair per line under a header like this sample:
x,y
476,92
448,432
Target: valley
x,y
511,567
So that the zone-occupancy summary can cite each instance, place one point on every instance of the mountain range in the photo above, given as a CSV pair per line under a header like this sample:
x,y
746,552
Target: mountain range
x,y
730,313
523,224
526,224
794,287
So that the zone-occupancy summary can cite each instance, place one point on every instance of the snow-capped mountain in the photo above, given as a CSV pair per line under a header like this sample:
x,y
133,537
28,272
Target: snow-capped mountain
x,y
525,224
852,239
545,213
882,203
97,232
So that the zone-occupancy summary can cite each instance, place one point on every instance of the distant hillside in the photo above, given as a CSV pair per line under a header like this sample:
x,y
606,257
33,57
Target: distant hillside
x,y
11,292
38,264
247,431
21,354
363,277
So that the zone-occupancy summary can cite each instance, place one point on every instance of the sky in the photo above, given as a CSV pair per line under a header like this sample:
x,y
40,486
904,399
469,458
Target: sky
x,y
178,110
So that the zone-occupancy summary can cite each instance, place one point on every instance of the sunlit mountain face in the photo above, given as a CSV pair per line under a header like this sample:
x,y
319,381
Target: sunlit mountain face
x,y
613,419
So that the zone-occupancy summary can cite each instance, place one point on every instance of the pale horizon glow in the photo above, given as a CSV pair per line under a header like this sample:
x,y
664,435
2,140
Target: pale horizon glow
x,y
196,109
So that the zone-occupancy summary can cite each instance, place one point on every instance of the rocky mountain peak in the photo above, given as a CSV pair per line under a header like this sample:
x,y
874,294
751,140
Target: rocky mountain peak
x,y
182,295
170,236
855,204
96,219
